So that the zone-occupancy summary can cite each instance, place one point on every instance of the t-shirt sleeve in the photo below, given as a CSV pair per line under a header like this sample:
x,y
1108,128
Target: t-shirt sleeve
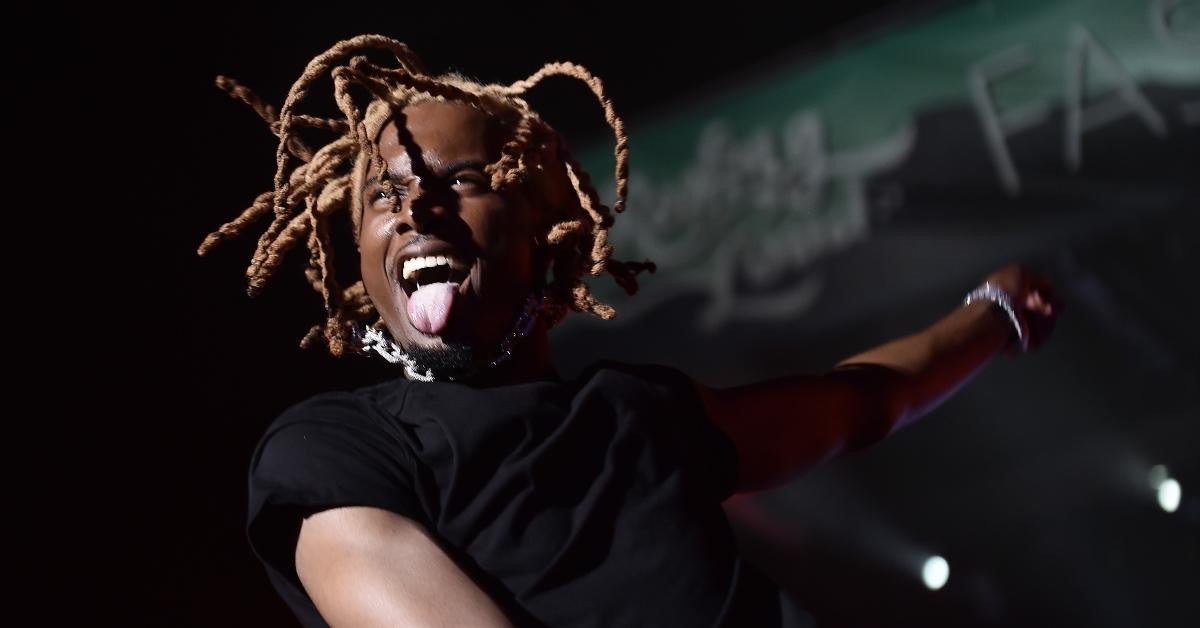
x,y
325,452
710,455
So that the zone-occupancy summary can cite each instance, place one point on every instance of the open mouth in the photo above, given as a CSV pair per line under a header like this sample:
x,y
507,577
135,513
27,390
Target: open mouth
x,y
420,271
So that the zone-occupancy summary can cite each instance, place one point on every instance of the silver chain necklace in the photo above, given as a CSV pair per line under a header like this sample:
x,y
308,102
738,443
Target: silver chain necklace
x,y
371,339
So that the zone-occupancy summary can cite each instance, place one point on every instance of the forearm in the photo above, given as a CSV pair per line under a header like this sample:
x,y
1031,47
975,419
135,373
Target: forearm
x,y
784,425
932,364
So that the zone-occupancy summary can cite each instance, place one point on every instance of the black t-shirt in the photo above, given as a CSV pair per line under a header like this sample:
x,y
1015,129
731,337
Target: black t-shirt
x,y
591,502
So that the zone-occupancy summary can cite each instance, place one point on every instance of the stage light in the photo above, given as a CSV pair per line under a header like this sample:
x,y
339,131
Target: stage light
x,y
935,572
1169,493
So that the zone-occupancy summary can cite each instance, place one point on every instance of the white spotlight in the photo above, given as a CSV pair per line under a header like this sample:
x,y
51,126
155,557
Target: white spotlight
x,y
935,572
1169,493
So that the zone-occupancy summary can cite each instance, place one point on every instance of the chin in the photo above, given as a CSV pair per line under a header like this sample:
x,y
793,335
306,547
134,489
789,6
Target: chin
x,y
452,358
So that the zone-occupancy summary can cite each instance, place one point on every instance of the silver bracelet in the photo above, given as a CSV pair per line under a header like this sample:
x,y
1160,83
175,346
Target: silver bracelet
x,y
997,295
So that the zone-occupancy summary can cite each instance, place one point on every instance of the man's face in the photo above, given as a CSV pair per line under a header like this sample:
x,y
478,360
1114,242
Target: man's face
x,y
446,208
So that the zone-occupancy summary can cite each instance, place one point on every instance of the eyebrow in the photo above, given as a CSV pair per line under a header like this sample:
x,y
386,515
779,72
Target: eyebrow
x,y
442,170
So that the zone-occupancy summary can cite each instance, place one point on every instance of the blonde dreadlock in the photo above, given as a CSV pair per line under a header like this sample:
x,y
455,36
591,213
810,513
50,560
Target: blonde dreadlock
x,y
576,243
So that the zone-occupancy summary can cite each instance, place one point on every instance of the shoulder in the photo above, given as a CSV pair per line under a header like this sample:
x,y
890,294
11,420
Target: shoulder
x,y
327,451
327,438
660,381
322,412
652,374
330,405
674,402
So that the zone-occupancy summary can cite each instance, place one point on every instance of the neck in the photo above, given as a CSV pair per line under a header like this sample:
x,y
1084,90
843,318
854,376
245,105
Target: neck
x,y
530,362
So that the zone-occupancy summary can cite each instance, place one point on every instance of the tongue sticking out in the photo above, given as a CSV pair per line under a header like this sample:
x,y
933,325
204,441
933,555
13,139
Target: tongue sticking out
x,y
429,306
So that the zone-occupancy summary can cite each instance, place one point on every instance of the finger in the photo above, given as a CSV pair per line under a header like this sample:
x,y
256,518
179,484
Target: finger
x,y
1044,286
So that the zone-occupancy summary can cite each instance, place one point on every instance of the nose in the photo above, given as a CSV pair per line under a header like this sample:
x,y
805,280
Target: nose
x,y
422,210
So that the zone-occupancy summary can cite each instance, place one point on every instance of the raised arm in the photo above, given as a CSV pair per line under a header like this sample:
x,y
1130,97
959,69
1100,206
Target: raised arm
x,y
781,427
366,566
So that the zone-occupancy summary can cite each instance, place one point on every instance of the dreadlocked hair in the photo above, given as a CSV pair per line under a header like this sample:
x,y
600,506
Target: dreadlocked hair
x,y
312,187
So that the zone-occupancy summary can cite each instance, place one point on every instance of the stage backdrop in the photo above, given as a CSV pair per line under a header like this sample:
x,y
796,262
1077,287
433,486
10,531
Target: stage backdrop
x,y
833,201
784,206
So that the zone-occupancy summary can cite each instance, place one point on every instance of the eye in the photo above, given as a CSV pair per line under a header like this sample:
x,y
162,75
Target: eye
x,y
468,182
391,195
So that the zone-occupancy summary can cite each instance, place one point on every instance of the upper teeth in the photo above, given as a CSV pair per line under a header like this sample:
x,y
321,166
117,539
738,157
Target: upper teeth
x,y
413,265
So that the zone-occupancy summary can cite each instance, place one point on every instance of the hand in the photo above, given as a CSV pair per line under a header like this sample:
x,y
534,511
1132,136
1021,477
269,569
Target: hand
x,y
1034,301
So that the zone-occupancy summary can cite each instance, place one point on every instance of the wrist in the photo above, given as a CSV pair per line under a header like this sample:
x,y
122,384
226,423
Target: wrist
x,y
1001,305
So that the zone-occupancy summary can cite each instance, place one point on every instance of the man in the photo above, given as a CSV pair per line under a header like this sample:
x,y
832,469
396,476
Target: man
x,y
484,489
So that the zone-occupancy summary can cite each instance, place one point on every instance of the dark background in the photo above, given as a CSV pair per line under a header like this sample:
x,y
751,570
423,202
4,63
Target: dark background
x,y
224,365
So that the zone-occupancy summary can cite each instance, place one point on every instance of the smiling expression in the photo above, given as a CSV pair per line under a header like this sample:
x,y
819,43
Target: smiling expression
x,y
446,207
